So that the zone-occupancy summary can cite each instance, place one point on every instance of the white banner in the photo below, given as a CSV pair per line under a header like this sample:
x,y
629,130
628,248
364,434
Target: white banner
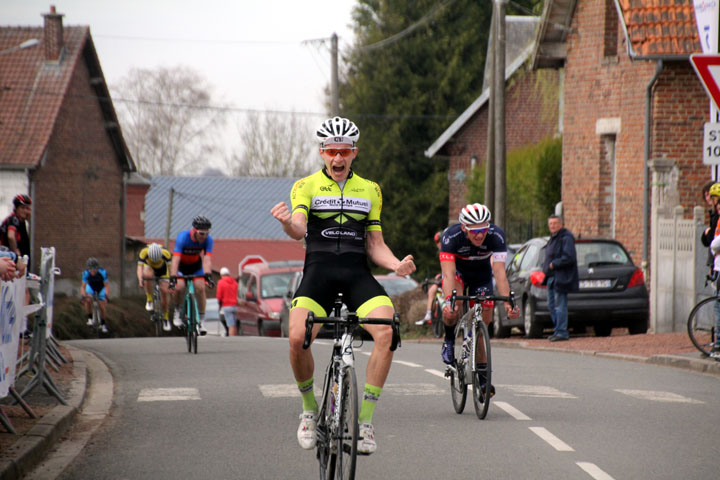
x,y
11,316
706,18
48,273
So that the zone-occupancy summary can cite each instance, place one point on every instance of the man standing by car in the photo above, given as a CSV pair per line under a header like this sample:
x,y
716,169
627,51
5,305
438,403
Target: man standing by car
x,y
561,275
227,290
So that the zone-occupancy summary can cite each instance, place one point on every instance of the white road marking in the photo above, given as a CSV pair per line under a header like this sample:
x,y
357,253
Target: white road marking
x,y
412,389
364,353
512,411
407,364
281,390
168,394
594,471
554,441
405,389
657,396
539,391
437,373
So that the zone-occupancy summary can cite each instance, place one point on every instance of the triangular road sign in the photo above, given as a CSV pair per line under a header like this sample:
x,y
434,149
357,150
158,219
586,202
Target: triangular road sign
x,y
707,67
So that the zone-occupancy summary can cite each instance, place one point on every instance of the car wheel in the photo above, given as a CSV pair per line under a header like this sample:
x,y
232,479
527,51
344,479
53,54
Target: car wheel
x,y
602,329
498,328
638,326
532,327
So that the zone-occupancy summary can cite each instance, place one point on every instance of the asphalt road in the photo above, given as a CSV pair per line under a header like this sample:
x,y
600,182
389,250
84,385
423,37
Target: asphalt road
x,y
231,412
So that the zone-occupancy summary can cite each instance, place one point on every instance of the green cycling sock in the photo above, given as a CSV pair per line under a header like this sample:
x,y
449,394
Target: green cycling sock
x,y
308,396
371,394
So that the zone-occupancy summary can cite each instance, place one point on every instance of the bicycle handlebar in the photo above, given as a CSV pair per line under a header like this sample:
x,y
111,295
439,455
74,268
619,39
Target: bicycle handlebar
x,y
207,277
482,298
350,320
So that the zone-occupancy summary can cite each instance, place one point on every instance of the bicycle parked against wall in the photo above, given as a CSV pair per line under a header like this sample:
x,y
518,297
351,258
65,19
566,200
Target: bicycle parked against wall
x,y
473,364
337,424
189,309
704,322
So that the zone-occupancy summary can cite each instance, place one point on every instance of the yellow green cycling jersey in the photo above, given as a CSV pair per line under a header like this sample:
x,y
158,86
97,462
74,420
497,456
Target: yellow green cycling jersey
x,y
338,217
144,259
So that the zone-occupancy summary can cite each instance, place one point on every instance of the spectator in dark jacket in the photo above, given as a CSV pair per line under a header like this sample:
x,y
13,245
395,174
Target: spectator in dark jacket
x,y
561,275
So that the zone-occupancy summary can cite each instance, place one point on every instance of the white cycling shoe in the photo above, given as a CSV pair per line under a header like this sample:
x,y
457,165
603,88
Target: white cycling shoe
x,y
177,321
366,439
149,306
306,431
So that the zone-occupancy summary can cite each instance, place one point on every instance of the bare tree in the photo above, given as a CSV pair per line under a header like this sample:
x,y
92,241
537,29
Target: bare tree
x,y
168,119
274,144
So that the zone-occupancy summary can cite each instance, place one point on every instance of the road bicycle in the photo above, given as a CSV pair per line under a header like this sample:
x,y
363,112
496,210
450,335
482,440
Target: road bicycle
x,y
337,421
189,309
96,315
703,322
472,338
156,316
436,322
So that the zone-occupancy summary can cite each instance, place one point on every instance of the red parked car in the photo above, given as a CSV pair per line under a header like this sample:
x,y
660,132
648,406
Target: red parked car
x,y
261,287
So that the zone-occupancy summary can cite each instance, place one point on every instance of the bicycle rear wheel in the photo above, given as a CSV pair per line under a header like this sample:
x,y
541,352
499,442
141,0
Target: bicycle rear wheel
x,y
192,325
157,313
347,433
701,325
481,393
458,385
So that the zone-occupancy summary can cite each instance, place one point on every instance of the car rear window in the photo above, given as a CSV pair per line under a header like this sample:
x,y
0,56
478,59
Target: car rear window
x,y
600,253
275,285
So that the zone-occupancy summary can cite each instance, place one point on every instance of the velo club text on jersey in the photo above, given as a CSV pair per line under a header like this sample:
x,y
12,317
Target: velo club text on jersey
x,y
337,217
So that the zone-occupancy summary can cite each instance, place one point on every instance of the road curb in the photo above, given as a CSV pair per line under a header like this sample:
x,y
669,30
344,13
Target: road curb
x,y
697,364
31,448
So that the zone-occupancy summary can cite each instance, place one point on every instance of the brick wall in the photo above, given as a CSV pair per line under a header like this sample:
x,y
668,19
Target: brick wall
x,y
600,86
135,210
531,114
78,189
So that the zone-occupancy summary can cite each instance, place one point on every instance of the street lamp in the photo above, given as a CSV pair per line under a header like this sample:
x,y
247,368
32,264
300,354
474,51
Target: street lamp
x,y
26,44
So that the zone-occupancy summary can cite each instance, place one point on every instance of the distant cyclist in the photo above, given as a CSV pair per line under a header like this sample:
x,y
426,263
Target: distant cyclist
x,y
95,280
192,255
431,288
338,214
154,261
465,258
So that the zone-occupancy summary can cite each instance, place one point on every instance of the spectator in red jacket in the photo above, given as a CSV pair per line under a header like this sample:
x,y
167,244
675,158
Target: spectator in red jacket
x,y
227,289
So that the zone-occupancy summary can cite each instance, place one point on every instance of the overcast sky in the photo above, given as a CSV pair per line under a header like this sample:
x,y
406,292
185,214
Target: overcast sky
x,y
251,51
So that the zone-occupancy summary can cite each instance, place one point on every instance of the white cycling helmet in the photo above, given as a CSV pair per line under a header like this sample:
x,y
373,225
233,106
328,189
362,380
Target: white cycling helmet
x,y
337,130
474,214
155,252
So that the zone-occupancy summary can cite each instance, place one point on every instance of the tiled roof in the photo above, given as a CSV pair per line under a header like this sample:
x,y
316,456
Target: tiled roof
x,y
660,27
237,207
31,91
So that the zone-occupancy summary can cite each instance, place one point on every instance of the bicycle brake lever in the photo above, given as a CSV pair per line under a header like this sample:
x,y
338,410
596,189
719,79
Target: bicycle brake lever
x,y
309,322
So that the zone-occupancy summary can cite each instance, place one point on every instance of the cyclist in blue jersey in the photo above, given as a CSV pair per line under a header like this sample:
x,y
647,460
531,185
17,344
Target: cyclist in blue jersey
x,y
192,255
95,280
471,253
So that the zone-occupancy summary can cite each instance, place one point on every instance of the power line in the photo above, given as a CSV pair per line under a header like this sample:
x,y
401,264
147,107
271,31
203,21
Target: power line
x,y
199,40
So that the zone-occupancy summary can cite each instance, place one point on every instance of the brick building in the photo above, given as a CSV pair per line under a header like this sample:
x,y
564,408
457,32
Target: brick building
x,y
632,104
60,142
531,113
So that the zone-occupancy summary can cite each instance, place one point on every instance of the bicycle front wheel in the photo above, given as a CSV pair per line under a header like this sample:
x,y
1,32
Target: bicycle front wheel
x,y
458,387
347,433
192,326
702,324
157,314
481,391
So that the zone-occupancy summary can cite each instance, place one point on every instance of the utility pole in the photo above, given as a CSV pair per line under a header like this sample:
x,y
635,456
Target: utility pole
x,y
499,120
490,158
334,75
169,218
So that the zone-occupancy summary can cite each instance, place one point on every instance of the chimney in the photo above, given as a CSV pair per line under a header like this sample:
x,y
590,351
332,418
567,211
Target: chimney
x,y
53,35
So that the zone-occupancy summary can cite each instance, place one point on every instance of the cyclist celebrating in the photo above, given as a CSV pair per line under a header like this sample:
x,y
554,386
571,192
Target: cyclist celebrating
x,y
153,261
95,280
338,214
465,259
192,256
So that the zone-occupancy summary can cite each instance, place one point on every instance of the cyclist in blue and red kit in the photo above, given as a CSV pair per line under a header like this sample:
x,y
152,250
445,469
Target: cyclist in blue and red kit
x,y
192,255
471,253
